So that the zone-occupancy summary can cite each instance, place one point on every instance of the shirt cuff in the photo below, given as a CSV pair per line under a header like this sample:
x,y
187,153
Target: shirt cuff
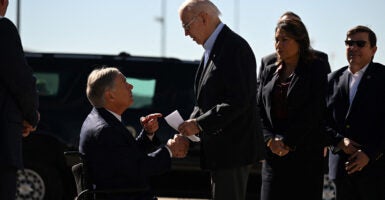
x,y
169,150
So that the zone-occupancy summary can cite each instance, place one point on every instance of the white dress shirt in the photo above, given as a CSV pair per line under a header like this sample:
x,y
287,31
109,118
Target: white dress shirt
x,y
354,81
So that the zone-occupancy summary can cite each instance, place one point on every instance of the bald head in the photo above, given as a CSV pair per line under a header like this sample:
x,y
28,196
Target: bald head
x,y
196,6
199,19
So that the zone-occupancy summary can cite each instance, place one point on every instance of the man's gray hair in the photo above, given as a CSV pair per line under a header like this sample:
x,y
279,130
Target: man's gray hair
x,y
197,6
99,81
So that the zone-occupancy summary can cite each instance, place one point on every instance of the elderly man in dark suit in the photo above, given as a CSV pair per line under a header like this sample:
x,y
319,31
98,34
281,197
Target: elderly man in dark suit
x,y
272,58
115,158
225,112
18,103
356,118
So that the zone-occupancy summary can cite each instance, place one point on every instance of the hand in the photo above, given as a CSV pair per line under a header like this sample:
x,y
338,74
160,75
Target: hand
x,y
348,146
179,146
278,147
27,128
189,127
357,162
150,123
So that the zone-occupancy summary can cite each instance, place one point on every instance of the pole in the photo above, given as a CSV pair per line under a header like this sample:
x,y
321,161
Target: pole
x,y
236,15
163,29
18,15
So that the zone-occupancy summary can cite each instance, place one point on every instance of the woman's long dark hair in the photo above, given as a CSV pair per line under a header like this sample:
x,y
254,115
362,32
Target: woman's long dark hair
x,y
297,30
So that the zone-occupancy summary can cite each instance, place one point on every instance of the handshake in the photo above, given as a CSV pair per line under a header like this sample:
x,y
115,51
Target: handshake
x,y
179,146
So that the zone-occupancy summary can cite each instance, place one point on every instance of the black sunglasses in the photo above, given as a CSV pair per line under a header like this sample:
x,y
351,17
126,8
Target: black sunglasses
x,y
359,43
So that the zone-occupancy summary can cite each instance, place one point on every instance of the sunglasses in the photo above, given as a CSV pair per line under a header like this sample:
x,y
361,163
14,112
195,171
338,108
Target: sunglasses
x,y
359,43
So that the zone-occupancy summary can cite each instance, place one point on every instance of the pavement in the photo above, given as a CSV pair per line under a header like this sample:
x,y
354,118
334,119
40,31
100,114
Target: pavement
x,y
166,198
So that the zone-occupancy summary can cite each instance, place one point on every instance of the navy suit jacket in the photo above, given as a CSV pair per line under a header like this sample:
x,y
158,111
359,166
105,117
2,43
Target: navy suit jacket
x,y
18,96
363,121
225,104
115,158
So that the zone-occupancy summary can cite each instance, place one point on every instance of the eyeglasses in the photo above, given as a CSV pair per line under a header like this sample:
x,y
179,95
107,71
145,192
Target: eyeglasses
x,y
359,43
186,27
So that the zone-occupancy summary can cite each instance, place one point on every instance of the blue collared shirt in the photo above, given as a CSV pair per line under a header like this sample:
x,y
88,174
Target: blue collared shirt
x,y
209,44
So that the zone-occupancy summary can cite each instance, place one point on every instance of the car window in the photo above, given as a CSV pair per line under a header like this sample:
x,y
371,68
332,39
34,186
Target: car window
x,y
47,84
143,92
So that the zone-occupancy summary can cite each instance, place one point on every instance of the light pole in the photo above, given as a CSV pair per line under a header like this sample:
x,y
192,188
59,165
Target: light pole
x,y
236,15
18,15
162,20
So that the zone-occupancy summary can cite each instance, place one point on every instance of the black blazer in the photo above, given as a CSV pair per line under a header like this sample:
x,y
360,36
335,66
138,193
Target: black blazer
x,y
115,158
363,121
225,103
18,96
306,107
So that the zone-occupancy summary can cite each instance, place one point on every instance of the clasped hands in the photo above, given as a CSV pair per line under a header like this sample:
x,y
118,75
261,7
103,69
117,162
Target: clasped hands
x,y
277,146
189,127
178,145
357,160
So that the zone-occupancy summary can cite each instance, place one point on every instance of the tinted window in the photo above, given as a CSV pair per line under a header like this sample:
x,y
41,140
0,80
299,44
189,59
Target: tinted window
x,y
47,84
143,92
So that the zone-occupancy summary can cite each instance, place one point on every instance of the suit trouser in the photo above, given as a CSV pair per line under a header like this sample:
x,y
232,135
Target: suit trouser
x,y
8,183
360,188
289,177
230,183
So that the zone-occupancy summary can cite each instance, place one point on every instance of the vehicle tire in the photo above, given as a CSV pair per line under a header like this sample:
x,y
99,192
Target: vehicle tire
x,y
46,175
36,182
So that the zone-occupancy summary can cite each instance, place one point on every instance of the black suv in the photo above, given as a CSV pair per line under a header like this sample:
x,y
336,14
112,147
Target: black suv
x,y
160,85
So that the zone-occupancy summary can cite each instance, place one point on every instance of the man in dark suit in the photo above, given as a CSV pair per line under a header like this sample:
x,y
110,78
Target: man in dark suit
x,y
115,158
225,112
356,118
272,58
18,104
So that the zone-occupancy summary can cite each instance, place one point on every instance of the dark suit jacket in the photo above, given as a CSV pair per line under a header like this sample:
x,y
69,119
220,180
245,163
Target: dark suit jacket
x,y
363,121
272,58
306,108
18,96
225,103
115,158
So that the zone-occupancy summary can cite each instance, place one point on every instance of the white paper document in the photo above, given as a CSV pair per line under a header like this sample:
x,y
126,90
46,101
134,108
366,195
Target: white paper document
x,y
174,120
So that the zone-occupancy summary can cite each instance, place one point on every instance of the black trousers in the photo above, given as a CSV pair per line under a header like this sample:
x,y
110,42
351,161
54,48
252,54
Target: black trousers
x,y
8,183
230,183
293,176
360,187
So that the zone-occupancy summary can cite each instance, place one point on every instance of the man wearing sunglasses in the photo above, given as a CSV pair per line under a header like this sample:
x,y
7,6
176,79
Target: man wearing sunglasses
x,y
356,121
225,115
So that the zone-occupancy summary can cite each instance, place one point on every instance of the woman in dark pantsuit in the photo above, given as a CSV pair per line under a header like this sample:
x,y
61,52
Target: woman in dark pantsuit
x,y
291,98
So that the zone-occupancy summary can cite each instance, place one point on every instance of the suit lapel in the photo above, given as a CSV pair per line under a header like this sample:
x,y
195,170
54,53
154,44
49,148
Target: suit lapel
x,y
362,86
205,71
198,77
343,91
268,90
114,122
